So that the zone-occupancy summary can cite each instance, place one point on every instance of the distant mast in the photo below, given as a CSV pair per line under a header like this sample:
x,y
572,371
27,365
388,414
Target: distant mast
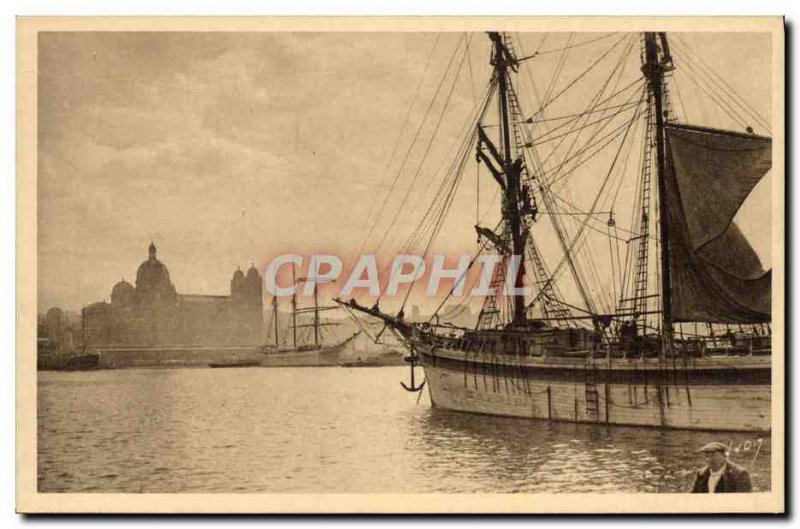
x,y
653,69
294,308
316,316
501,60
275,320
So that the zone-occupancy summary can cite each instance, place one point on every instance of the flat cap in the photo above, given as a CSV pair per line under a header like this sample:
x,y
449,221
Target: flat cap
x,y
713,447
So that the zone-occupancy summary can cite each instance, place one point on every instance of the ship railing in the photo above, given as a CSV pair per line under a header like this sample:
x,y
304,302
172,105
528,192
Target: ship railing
x,y
733,344
649,346
451,337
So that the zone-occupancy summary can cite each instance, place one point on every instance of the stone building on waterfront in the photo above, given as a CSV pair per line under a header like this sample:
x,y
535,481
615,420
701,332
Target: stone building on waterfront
x,y
58,331
152,313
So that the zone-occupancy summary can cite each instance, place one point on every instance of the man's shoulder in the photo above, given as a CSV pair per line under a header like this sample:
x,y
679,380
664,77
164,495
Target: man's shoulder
x,y
737,474
735,469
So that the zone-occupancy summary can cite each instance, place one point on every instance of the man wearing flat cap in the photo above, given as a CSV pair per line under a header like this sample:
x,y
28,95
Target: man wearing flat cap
x,y
720,475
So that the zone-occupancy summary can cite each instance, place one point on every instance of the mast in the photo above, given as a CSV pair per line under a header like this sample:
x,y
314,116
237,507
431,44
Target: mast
x,y
84,336
654,69
294,308
502,60
275,320
316,316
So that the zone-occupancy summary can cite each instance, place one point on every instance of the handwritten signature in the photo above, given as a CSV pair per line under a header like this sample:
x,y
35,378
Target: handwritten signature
x,y
744,447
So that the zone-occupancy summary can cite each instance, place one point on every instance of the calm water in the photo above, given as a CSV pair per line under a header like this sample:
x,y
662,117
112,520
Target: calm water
x,y
332,430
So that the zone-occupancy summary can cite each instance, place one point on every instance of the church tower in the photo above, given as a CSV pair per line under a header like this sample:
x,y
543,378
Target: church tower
x,y
237,286
253,288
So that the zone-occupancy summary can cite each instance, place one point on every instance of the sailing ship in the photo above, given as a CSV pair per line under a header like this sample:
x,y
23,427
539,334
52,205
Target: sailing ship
x,y
307,348
686,343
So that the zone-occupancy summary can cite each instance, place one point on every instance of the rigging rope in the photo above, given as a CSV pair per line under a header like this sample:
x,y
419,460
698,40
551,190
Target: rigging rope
x,y
684,113
427,222
472,261
613,135
578,235
582,74
546,137
726,107
550,87
576,115
730,91
469,132
576,45
577,249
406,120
594,104
411,146
616,72
543,188
425,154
438,225
447,187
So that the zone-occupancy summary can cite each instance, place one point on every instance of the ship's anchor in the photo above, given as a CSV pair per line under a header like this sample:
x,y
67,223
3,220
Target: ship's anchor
x,y
412,360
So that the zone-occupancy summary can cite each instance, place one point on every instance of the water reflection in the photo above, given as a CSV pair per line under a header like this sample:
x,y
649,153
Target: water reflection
x,y
331,430
518,455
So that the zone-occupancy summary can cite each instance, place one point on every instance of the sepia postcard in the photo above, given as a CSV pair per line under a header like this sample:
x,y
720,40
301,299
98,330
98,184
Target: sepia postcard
x,y
400,265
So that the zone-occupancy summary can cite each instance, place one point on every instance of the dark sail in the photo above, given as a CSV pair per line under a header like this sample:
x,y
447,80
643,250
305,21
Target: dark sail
x,y
716,276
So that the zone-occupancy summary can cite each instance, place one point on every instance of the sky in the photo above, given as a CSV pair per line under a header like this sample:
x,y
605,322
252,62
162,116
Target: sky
x,y
227,149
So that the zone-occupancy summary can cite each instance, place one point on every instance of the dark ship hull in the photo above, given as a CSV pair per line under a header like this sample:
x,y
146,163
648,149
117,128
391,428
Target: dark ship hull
x,y
81,362
233,364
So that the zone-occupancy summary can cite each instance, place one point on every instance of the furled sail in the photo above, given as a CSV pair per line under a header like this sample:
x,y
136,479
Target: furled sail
x,y
715,274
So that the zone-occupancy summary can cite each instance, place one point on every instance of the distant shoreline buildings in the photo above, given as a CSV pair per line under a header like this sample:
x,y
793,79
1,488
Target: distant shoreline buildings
x,y
153,314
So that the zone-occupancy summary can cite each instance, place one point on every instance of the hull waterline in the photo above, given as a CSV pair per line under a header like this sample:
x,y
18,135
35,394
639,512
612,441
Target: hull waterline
x,y
331,355
726,393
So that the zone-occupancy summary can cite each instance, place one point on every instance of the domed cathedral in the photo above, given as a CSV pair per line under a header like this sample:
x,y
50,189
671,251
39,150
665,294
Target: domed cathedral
x,y
153,286
155,303
153,314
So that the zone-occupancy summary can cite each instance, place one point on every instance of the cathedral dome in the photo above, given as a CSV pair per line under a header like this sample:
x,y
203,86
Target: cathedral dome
x,y
253,276
152,281
122,294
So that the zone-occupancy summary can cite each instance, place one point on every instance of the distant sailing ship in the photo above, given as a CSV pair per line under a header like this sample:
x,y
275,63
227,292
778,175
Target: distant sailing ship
x,y
307,348
686,344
